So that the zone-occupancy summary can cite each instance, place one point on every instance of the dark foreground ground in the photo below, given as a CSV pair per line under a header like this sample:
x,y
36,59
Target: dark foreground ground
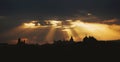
x,y
87,51
51,53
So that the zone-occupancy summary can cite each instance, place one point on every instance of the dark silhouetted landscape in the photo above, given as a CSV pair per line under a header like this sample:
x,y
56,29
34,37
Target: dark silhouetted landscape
x,y
61,50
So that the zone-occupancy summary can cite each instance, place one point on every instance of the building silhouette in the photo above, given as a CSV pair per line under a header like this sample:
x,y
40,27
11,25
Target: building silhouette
x,y
71,40
89,41
21,42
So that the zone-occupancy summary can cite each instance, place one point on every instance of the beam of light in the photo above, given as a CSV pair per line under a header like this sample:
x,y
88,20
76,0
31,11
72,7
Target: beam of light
x,y
50,36
76,35
60,35
35,36
69,33
73,33
41,35
100,31
81,33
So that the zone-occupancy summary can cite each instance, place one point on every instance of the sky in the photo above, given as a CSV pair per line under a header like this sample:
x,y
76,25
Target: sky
x,y
13,13
58,7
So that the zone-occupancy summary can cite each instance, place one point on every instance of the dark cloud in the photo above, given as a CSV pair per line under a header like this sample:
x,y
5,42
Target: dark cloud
x,y
58,7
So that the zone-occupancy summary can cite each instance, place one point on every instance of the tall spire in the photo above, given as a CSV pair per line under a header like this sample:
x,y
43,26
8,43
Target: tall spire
x,y
71,39
19,40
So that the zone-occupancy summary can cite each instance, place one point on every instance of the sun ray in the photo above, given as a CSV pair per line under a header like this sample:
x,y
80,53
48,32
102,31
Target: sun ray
x,y
69,33
76,35
50,36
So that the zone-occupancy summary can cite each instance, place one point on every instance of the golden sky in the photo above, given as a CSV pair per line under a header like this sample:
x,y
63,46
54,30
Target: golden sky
x,y
35,32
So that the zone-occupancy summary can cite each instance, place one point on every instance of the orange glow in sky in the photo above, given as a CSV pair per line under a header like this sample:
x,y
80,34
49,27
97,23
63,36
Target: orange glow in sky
x,y
63,30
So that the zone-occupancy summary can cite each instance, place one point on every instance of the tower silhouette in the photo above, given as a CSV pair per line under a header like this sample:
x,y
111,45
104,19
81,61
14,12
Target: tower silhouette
x,y
71,40
20,42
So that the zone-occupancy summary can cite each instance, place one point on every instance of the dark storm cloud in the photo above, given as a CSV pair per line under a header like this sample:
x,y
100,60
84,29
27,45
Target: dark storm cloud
x,y
59,7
